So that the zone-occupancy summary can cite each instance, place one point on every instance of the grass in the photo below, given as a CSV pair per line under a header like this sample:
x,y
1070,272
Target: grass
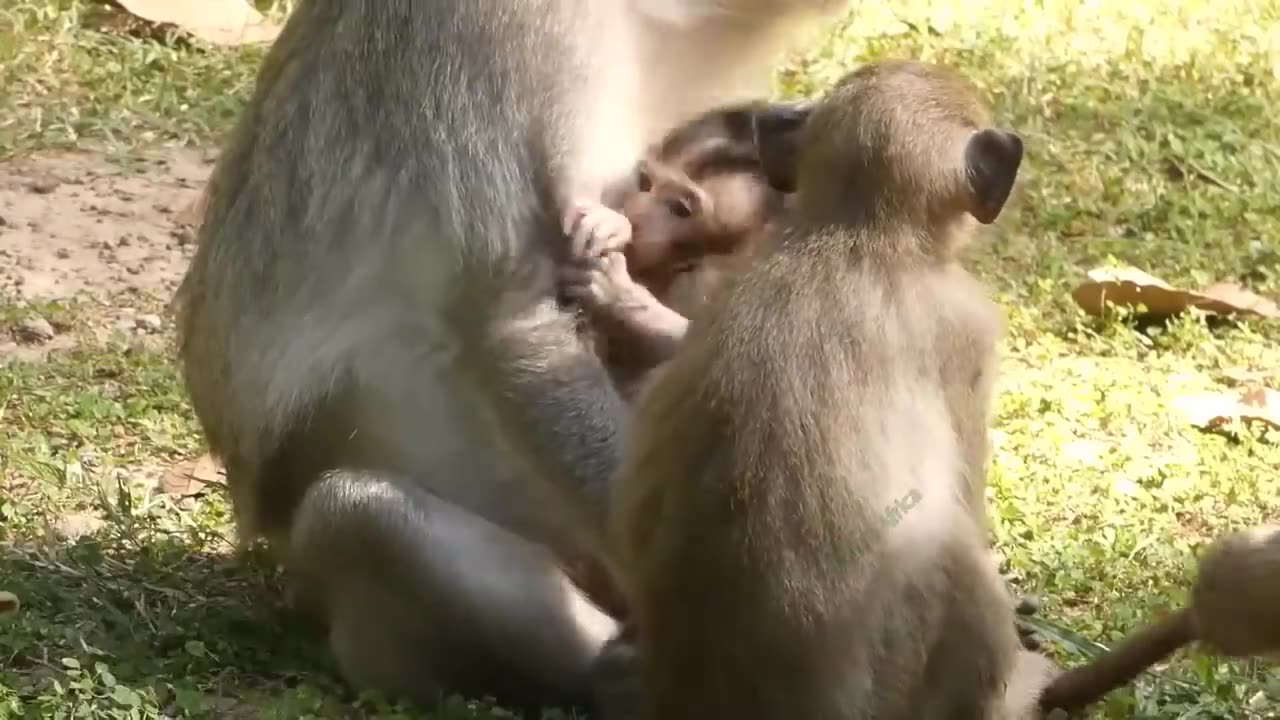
x,y
1151,140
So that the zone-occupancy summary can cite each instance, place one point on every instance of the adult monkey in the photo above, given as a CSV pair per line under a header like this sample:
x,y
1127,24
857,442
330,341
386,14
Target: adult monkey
x,y
369,332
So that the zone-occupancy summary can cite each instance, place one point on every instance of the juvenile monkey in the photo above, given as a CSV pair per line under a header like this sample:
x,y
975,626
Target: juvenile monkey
x,y
369,330
1235,611
795,516
700,211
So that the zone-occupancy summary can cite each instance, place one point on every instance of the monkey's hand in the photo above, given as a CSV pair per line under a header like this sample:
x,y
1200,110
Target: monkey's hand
x,y
625,307
596,230
607,291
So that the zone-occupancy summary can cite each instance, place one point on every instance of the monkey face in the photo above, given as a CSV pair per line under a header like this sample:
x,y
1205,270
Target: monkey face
x,y
668,214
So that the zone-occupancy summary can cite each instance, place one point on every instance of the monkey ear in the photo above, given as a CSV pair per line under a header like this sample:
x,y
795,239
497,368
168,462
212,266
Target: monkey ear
x,y
776,128
991,159
741,124
779,118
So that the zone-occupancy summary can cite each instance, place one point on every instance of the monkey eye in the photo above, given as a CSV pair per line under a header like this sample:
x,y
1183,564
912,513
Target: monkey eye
x,y
643,181
681,208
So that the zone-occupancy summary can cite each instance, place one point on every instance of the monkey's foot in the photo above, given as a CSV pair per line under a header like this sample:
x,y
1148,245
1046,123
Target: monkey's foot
x,y
596,230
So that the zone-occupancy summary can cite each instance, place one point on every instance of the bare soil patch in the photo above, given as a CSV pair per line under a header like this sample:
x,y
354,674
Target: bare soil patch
x,y
76,223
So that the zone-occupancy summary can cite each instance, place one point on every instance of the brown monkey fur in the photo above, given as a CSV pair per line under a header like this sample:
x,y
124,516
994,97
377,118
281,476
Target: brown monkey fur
x,y
1234,611
369,330
794,515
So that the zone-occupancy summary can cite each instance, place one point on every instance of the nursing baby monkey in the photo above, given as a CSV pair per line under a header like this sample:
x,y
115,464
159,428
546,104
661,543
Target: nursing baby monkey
x,y
798,515
698,211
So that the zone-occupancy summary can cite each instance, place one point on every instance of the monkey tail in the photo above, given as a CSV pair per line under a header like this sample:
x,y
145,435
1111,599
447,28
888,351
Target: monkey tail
x,y
1088,683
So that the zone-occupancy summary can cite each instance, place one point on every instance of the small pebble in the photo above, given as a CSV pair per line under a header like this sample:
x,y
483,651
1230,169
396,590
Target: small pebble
x,y
44,186
36,330
149,322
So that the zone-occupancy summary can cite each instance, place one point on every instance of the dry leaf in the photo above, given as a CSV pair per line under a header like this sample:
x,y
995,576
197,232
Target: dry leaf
x,y
221,22
189,477
1127,286
8,603
1237,299
1132,287
1212,410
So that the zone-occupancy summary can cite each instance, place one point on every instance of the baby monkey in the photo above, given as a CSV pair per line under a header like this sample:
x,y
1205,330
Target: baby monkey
x,y
697,211
798,516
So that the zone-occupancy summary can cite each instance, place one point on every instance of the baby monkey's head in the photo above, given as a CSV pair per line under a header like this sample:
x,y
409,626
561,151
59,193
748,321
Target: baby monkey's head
x,y
895,142
701,191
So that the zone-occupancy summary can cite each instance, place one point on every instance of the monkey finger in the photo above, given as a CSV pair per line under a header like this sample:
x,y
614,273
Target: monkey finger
x,y
613,262
576,275
577,225
572,217
591,293
601,230
611,237
581,239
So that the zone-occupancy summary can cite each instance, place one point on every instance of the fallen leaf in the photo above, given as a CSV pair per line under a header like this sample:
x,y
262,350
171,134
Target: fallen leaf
x,y
221,22
8,603
189,477
1212,410
206,469
1234,298
1131,287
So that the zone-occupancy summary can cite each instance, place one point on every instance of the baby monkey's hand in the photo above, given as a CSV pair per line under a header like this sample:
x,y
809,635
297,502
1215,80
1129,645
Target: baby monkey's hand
x,y
595,230
606,290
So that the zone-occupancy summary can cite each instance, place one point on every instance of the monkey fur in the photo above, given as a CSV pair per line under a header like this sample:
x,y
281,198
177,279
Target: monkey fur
x,y
369,331
797,517
1234,611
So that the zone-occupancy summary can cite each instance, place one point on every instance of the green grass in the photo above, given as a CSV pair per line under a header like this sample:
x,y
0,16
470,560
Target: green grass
x,y
1152,140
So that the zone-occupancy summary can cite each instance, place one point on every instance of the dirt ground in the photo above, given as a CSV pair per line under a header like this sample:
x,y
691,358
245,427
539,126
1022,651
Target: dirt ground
x,y
79,223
